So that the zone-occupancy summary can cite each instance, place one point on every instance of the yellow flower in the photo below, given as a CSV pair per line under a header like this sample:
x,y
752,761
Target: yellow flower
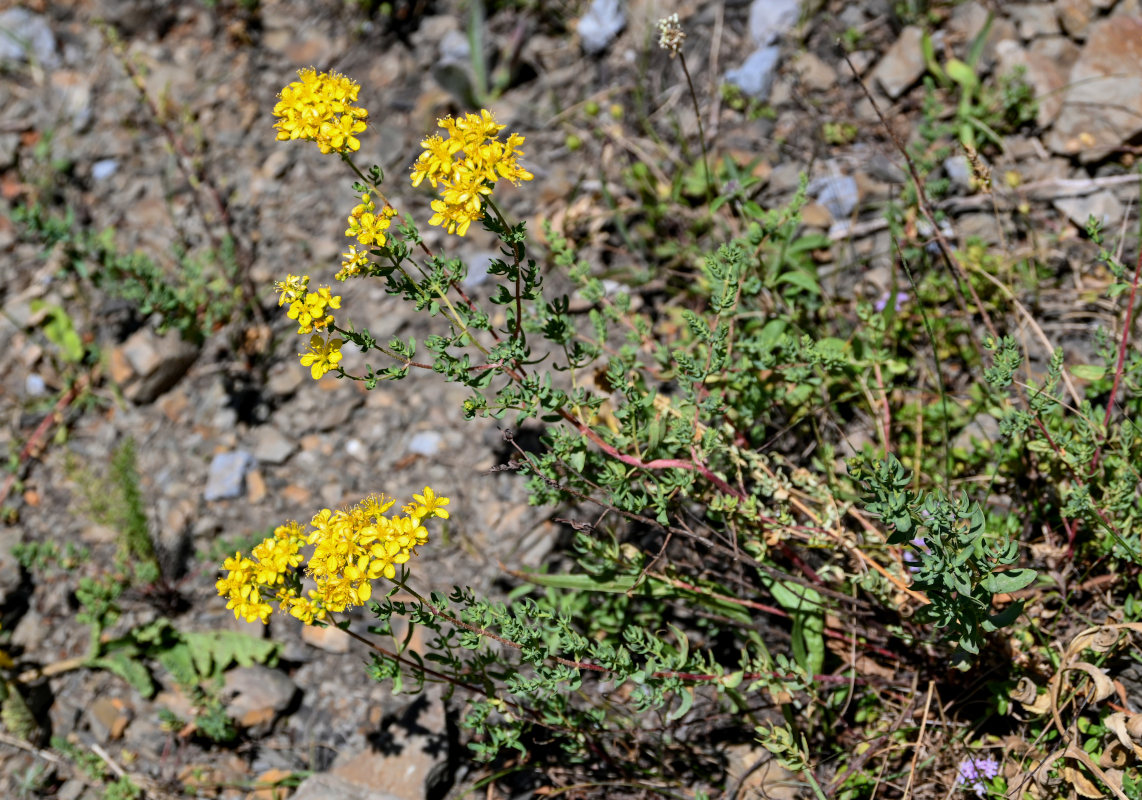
x,y
321,108
429,505
369,227
468,163
291,288
309,309
353,261
322,356
351,548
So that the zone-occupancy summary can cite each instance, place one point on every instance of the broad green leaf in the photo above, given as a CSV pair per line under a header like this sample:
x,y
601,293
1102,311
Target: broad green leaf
x,y
962,74
1010,581
802,280
1088,372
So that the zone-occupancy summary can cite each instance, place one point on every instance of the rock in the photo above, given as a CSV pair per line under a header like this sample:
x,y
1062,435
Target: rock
x,y
11,575
814,73
104,168
903,64
337,414
600,25
959,172
770,19
285,379
1033,20
1101,204
259,694
755,76
1075,16
108,718
271,446
770,780
478,264
883,168
415,763
329,787
148,364
425,443
35,385
1045,66
28,37
1103,106
982,225
227,477
329,638
838,193
983,429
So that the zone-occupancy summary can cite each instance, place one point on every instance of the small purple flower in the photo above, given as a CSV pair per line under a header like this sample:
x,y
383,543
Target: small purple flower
x,y
973,770
882,303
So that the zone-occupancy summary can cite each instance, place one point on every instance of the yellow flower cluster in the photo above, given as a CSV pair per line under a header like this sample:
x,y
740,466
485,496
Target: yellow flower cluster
x,y
466,165
320,108
351,549
368,227
310,310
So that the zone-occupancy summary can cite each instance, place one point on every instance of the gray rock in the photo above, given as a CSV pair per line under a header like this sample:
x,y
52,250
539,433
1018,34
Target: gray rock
x,y
958,170
227,478
1034,19
755,76
1075,16
9,146
330,787
770,19
814,73
478,268
25,36
34,385
1045,65
10,573
418,764
425,443
258,695
285,378
983,226
903,64
603,21
104,168
337,414
885,169
983,429
1103,104
1102,204
271,446
838,193
154,363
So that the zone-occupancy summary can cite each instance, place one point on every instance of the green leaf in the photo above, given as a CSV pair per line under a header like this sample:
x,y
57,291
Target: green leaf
x,y
962,74
584,583
1003,618
1010,581
60,330
687,696
802,280
126,666
1088,372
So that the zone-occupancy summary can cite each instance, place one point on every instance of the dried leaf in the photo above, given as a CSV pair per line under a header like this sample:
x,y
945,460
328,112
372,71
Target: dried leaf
x,y
1081,783
1115,755
1027,694
1103,685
